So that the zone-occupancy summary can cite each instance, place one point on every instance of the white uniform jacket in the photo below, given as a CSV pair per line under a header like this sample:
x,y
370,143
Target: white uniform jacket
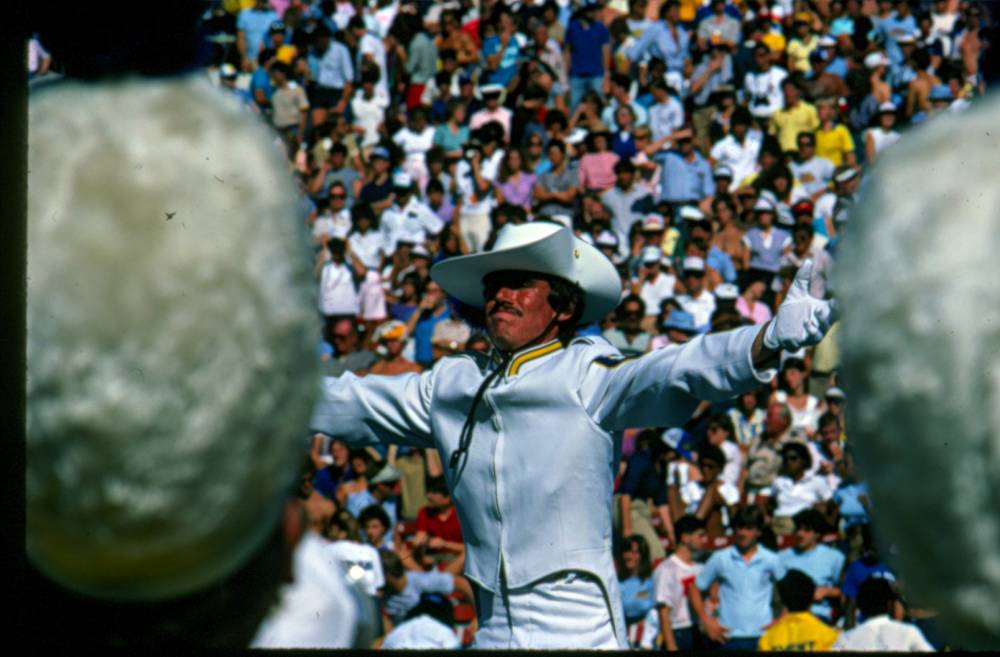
x,y
534,491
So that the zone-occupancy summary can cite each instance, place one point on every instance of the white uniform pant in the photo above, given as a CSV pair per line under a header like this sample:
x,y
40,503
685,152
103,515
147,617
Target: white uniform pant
x,y
565,610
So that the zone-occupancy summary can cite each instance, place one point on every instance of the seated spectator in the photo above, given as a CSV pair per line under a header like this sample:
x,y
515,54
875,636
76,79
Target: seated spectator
x,y
449,338
820,562
438,535
596,170
747,420
635,577
671,580
710,499
404,588
340,274
628,337
374,522
796,489
880,631
332,466
678,328
382,490
853,502
348,356
720,432
797,630
389,339
805,408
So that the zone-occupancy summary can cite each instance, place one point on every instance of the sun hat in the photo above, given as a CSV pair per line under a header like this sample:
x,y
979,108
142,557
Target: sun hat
x,y
680,320
540,247
492,89
391,330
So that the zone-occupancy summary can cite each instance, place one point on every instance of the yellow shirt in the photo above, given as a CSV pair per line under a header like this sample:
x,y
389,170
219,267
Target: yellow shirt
x,y
799,51
834,144
798,632
786,124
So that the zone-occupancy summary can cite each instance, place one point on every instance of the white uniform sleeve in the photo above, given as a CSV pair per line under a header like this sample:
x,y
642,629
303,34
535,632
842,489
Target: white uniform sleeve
x,y
376,409
662,387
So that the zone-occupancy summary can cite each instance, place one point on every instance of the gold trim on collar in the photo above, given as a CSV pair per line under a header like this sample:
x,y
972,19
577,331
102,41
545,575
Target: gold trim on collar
x,y
538,352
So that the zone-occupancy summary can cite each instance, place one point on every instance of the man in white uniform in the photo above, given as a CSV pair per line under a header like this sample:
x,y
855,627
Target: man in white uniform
x,y
531,433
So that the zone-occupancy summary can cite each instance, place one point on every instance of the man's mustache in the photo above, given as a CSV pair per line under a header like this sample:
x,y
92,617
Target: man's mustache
x,y
502,306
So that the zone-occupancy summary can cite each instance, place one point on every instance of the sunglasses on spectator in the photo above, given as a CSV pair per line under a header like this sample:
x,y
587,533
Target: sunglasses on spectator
x,y
338,197
631,313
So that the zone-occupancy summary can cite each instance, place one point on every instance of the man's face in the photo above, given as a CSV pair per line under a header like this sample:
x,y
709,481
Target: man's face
x,y
746,537
694,541
517,308
686,146
830,432
762,58
694,281
806,538
791,94
709,470
775,423
793,463
625,179
700,236
344,338
375,531
434,292
556,156
394,347
631,316
807,148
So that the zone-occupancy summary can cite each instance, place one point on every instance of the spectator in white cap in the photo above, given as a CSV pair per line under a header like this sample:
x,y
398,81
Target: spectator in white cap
x,y
607,243
834,207
389,339
765,244
492,96
722,174
653,283
700,235
726,295
878,69
531,292
408,217
697,299
882,134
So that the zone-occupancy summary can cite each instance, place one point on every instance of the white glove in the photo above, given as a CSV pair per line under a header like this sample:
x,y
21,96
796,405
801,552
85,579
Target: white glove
x,y
802,320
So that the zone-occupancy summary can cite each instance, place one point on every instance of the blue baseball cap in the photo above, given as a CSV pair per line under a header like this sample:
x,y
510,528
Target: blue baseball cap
x,y
680,320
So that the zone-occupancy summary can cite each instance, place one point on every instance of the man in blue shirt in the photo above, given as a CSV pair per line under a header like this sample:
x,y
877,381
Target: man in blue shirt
x,y
665,39
252,28
687,176
746,572
589,53
822,563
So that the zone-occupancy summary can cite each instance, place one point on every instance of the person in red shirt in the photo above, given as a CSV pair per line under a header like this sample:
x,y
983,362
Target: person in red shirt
x,y
438,535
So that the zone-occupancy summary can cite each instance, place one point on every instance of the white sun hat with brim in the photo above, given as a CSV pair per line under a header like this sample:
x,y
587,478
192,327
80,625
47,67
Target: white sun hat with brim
x,y
491,89
540,247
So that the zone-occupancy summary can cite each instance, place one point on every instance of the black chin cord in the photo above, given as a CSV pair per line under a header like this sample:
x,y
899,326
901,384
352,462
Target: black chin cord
x,y
465,437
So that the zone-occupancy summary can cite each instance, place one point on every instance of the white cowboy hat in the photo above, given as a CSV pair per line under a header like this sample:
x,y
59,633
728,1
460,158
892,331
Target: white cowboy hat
x,y
541,247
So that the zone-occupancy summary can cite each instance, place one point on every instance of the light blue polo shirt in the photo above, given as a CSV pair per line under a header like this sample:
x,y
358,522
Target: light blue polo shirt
x,y
823,564
745,588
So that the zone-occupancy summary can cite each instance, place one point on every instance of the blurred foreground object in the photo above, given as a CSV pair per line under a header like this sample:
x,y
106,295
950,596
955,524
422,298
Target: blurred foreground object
x,y
171,364
919,281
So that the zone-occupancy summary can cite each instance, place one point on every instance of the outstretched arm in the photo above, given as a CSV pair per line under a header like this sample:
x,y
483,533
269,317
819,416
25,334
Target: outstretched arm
x,y
376,409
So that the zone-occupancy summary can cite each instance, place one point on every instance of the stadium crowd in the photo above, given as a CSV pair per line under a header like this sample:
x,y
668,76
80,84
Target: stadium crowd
x,y
708,149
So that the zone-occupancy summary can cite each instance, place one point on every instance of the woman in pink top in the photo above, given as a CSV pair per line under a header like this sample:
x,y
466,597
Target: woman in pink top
x,y
515,181
597,167
750,306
